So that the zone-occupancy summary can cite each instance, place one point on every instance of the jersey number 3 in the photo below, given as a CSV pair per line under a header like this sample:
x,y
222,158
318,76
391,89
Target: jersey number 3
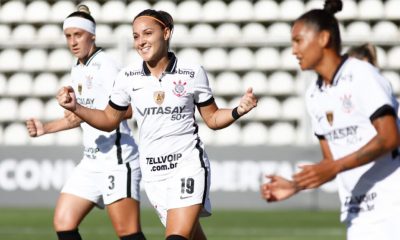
x,y
112,183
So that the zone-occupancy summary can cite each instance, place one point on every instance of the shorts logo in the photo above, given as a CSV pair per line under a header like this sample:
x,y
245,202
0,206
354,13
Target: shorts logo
x,y
184,197
179,89
159,97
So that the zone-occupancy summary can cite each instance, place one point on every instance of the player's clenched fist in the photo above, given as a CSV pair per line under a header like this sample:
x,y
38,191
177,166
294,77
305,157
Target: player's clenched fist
x,y
248,102
34,127
66,98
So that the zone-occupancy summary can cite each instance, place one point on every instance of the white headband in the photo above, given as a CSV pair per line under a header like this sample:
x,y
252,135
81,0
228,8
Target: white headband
x,y
82,23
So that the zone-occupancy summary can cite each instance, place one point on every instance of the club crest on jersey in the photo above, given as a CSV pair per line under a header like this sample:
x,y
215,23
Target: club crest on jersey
x,y
89,82
347,104
159,97
179,89
329,117
80,88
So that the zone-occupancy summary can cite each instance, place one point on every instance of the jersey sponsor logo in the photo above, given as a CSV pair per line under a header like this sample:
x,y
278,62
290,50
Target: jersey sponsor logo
x,y
347,104
87,102
96,65
189,72
353,203
133,73
161,110
346,77
348,132
163,159
159,97
163,163
90,152
179,89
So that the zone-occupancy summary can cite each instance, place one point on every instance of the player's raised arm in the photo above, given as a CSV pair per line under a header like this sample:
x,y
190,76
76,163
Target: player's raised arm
x,y
106,120
217,118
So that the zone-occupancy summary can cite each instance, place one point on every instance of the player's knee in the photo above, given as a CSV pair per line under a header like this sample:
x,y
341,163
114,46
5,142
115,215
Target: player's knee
x,y
175,237
134,236
61,223
69,235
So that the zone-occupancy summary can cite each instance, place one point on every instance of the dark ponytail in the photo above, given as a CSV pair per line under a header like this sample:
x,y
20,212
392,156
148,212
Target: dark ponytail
x,y
324,20
333,6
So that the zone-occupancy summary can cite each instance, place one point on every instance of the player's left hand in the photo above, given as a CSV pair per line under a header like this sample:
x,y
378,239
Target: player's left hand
x,y
277,189
248,102
313,176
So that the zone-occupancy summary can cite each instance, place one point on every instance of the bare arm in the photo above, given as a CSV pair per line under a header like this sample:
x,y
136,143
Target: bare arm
x,y
217,118
385,141
325,150
37,128
106,120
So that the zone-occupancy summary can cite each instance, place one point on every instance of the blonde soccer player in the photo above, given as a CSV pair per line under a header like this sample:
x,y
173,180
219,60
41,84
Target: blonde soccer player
x,y
108,174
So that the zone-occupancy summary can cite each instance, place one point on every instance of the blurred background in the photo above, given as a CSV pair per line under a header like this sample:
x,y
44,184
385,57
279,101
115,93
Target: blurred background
x,y
240,43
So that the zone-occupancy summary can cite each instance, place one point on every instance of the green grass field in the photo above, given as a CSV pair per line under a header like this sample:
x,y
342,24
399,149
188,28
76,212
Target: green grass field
x,y
35,224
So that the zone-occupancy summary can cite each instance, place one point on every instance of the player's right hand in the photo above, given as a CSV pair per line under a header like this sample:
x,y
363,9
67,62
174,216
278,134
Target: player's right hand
x,y
66,98
35,127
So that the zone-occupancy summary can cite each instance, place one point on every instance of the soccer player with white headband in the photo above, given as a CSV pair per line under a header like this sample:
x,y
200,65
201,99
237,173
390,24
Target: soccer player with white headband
x,y
108,174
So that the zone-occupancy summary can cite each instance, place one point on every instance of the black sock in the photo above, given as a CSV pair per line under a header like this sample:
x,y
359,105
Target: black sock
x,y
176,237
69,235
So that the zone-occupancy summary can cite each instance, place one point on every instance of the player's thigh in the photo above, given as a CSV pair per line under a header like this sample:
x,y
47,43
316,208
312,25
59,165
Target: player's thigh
x,y
182,221
189,187
125,216
84,183
157,194
186,197
70,211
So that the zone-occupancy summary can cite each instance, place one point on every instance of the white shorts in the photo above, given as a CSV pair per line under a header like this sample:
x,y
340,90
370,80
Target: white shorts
x,y
104,187
189,186
387,229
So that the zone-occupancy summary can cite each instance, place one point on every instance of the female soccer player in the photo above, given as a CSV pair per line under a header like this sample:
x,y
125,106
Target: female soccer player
x,y
164,93
353,116
109,172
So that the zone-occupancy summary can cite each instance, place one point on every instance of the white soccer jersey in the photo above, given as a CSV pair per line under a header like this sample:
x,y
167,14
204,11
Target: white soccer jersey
x,y
342,113
165,113
93,83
